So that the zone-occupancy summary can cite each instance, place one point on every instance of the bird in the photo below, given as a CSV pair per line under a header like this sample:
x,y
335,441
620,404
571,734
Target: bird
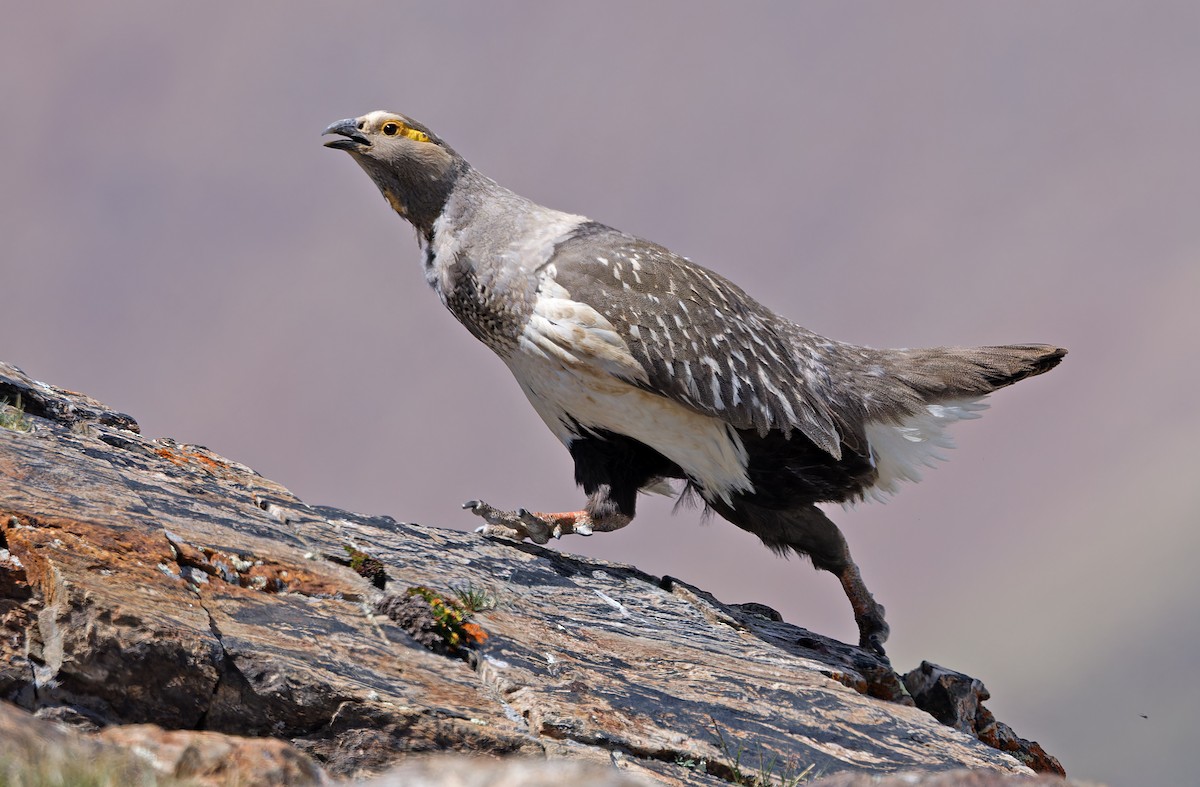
x,y
658,374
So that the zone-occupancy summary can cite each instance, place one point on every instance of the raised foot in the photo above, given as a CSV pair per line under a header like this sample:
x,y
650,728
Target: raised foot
x,y
521,524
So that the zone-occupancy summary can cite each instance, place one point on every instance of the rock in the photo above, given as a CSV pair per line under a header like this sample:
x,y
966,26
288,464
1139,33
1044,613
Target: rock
x,y
136,753
147,582
957,700
215,758
960,778
478,772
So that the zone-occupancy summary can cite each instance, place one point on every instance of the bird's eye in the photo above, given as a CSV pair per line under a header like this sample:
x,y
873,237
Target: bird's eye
x,y
396,128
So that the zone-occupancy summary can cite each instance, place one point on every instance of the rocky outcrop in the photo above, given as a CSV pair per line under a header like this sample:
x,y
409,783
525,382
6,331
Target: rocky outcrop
x,y
957,699
147,582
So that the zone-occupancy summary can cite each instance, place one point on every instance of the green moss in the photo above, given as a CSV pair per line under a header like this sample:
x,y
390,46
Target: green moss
x,y
367,567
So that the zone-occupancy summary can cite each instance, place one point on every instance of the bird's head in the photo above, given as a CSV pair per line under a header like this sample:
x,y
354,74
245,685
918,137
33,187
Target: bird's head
x,y
413,168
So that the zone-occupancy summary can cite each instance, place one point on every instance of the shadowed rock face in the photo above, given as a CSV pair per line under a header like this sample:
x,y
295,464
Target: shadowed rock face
x,y
149,582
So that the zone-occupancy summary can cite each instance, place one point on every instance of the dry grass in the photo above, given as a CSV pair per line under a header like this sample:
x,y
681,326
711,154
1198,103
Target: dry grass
x,y
12,416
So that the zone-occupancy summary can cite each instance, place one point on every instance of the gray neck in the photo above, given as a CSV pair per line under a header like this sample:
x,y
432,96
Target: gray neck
x,y
484,256
484,225
431,198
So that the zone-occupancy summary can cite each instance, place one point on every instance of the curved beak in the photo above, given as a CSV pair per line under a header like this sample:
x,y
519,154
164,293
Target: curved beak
x,y
353,138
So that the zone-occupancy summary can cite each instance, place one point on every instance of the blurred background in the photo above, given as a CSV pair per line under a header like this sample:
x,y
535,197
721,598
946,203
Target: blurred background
x,y
175,241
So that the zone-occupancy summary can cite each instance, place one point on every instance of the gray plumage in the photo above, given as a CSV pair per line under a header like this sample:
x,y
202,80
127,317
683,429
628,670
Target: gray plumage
x,y
650,367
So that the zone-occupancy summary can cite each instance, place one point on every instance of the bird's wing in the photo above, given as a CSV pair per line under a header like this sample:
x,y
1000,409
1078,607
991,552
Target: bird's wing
x,y
656,320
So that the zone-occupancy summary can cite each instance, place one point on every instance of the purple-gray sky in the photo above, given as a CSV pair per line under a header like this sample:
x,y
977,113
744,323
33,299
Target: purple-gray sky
x,y
175,241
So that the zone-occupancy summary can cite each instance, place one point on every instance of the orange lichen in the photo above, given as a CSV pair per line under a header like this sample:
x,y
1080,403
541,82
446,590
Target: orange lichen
x,y
171,456
474,634
182,457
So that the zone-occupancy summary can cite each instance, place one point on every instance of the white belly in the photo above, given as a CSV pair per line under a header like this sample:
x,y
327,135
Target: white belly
x,y
707,449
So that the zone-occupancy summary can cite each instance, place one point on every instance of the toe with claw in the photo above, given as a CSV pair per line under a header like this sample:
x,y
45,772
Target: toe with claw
x,y
518,525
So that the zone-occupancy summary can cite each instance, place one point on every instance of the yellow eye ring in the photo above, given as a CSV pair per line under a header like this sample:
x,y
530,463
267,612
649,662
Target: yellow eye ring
x,y
394,128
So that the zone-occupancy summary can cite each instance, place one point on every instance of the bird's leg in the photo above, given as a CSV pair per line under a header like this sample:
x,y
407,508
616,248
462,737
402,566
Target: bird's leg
x,y
873,630
812,533
808,531
539,527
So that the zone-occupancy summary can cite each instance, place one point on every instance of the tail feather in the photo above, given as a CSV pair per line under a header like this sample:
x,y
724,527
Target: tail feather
x,y
904,421
952,372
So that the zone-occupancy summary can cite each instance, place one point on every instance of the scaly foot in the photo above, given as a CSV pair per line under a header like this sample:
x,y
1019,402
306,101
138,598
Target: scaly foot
x,y
521,524
868,613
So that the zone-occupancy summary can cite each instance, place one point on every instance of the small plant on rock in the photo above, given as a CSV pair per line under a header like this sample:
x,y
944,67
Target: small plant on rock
x,y
434,620
12,416
368,567
770,770
474,598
